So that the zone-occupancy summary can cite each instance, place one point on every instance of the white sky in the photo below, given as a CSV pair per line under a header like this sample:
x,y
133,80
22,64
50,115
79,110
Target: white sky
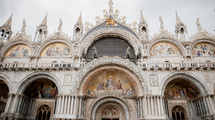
x,y
69,10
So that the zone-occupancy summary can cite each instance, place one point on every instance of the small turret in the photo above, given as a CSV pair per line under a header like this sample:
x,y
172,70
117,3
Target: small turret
x,y
41,31
5,30
143,28
78,29
180,29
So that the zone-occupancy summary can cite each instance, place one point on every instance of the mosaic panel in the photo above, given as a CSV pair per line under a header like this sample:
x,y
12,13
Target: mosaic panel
x,y
204,49
19,51
164,49
56,50
110,81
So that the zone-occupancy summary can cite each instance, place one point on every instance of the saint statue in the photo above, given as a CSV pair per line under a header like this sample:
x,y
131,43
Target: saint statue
x,y
60,25
199,27
23,26
127,55
161,23
94,53
111,7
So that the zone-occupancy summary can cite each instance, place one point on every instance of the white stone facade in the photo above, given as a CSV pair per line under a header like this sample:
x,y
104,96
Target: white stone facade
x,y
151,73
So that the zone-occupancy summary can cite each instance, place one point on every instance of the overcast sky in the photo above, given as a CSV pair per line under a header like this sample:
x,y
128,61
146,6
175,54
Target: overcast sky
x,y
69,10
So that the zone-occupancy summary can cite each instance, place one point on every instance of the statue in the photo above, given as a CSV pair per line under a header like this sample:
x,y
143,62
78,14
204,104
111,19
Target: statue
x,y
161,23
127,54
23,26
199,27
110,7
76,48
105,13
60,25
94,53
139,54
83,54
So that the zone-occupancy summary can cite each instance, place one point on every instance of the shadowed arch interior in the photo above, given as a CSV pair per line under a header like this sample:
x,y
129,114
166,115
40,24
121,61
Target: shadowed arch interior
x,y
4,90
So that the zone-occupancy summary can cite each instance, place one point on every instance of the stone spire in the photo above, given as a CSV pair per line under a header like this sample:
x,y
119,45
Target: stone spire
x,y
180,29
143,28
5,29
199,27
41,31
78,29
142,20
79,22
110,7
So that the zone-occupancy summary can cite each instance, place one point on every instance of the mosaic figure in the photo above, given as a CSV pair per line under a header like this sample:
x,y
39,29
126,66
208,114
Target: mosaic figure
x,y
164,49
110,81
18,51
204,49
56,50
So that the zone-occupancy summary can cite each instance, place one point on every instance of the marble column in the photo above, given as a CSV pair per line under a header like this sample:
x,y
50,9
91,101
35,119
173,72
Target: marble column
x,y
68,105
71,108
8,103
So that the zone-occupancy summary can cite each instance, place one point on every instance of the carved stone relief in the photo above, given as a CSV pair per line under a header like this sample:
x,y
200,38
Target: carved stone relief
x,y
153,80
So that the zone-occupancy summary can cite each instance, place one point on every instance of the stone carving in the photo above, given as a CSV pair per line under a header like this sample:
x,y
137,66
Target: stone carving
x,y
199,27
23,26
76,47
139,54
95,55
153,80
67,79
202,35
111,22
60,25
206,76
127,54
161,23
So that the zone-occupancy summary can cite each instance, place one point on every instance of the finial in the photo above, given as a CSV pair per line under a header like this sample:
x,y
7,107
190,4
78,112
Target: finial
x,y
110,7
199,27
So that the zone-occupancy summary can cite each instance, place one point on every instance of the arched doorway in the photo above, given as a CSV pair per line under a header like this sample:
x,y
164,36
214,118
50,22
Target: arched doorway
x,y
178,113
43,113
4,90
177,93
35,94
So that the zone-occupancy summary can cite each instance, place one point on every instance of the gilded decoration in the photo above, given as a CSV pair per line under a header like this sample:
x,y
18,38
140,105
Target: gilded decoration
x,y
204,49
110,81
164,49
56,50
19,51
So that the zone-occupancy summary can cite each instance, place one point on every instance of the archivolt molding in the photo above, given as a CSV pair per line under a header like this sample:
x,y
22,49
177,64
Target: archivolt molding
x,y
92,37
109,61
170,40
36,75
49,42
110,97
187,76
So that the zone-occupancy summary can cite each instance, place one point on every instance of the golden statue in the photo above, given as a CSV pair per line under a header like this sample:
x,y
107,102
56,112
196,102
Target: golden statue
x,y
110,21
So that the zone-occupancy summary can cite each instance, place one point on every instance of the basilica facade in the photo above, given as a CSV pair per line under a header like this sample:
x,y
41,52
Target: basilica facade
x,y
110,70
